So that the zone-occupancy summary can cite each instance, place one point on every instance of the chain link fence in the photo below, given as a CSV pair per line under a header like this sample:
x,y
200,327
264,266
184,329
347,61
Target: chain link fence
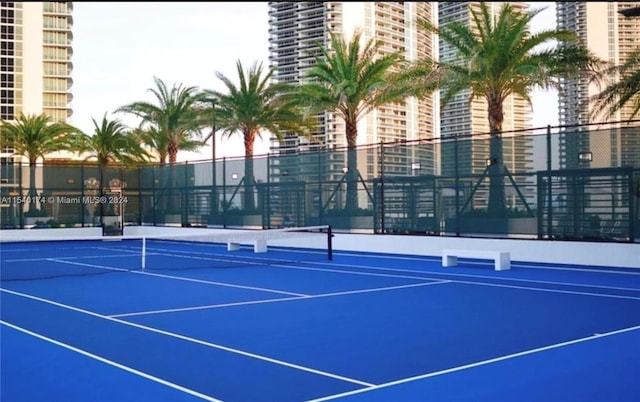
x,y
573,183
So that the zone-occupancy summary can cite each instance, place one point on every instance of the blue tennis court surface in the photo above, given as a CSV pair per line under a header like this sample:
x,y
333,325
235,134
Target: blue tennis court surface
x,y
295,326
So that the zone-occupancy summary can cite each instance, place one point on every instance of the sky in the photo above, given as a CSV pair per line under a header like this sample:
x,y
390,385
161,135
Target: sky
x,y
119,47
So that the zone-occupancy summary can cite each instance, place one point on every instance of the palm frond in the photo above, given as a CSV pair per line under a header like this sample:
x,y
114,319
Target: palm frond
x,y
623,92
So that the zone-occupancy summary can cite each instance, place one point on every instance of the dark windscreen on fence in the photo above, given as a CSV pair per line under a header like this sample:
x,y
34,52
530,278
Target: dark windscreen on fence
x,y
562,183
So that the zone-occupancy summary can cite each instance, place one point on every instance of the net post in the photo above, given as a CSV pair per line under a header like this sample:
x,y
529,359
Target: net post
x,y
329,244
144,252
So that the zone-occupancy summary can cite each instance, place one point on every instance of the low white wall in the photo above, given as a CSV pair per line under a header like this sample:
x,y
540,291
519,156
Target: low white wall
x,y
48,233
525,250
169,230
544,251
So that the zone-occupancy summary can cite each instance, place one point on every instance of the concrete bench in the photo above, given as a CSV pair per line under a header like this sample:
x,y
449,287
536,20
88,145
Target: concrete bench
x,y
259,245
502,259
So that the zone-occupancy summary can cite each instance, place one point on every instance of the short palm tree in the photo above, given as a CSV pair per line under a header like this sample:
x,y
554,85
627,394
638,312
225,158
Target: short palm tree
x,y
252,107
352,79
624,92
35,136
111,143
158,143
175,116
497,57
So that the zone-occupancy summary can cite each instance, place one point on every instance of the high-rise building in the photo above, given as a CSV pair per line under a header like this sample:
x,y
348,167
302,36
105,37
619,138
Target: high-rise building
x,y
611,36
35,77
36,59
464,119
295,30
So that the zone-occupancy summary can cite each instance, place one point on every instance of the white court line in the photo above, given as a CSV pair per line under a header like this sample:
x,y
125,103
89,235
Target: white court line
x,y
112,363
500,278
427,278
422,278
246,260
193,340
434,280
71,257
37,249
205,307
394,275
559,267
595,270
494,284
125,249
212,306
106,268
477,364
180,278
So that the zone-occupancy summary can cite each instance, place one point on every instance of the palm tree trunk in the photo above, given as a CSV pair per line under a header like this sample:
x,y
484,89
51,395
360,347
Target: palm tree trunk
x,y
351,202
497,203
172,150
33,194
173,200
249,202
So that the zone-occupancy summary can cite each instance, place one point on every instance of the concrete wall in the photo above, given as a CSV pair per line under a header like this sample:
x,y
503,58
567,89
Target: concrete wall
x,y
544,251
44,234
560,252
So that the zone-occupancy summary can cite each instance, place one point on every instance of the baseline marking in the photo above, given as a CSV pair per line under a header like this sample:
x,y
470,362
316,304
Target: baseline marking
x,y
189,339
112,363
477,364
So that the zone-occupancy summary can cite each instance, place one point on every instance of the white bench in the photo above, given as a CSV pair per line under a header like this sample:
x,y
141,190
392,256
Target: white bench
x,y
502,258
259,245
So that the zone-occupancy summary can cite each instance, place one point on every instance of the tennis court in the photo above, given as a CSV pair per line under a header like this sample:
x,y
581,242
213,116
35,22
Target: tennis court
x,y
161,319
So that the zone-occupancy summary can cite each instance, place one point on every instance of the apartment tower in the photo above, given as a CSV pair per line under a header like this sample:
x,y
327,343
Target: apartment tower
x,y
295,28
36,59
36,43
611,36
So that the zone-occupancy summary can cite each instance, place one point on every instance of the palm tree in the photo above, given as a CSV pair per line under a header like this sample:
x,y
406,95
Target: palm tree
x,y
175,116
111,143
624,92
157,142
252,107
351,80
35,136
499,57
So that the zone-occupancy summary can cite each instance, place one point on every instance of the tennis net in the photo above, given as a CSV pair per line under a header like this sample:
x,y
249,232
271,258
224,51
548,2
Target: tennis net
x,y
41,258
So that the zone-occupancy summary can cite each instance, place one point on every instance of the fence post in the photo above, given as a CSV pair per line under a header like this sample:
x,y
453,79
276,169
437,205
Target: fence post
x,y
549,195
457,178
225,207
381,187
